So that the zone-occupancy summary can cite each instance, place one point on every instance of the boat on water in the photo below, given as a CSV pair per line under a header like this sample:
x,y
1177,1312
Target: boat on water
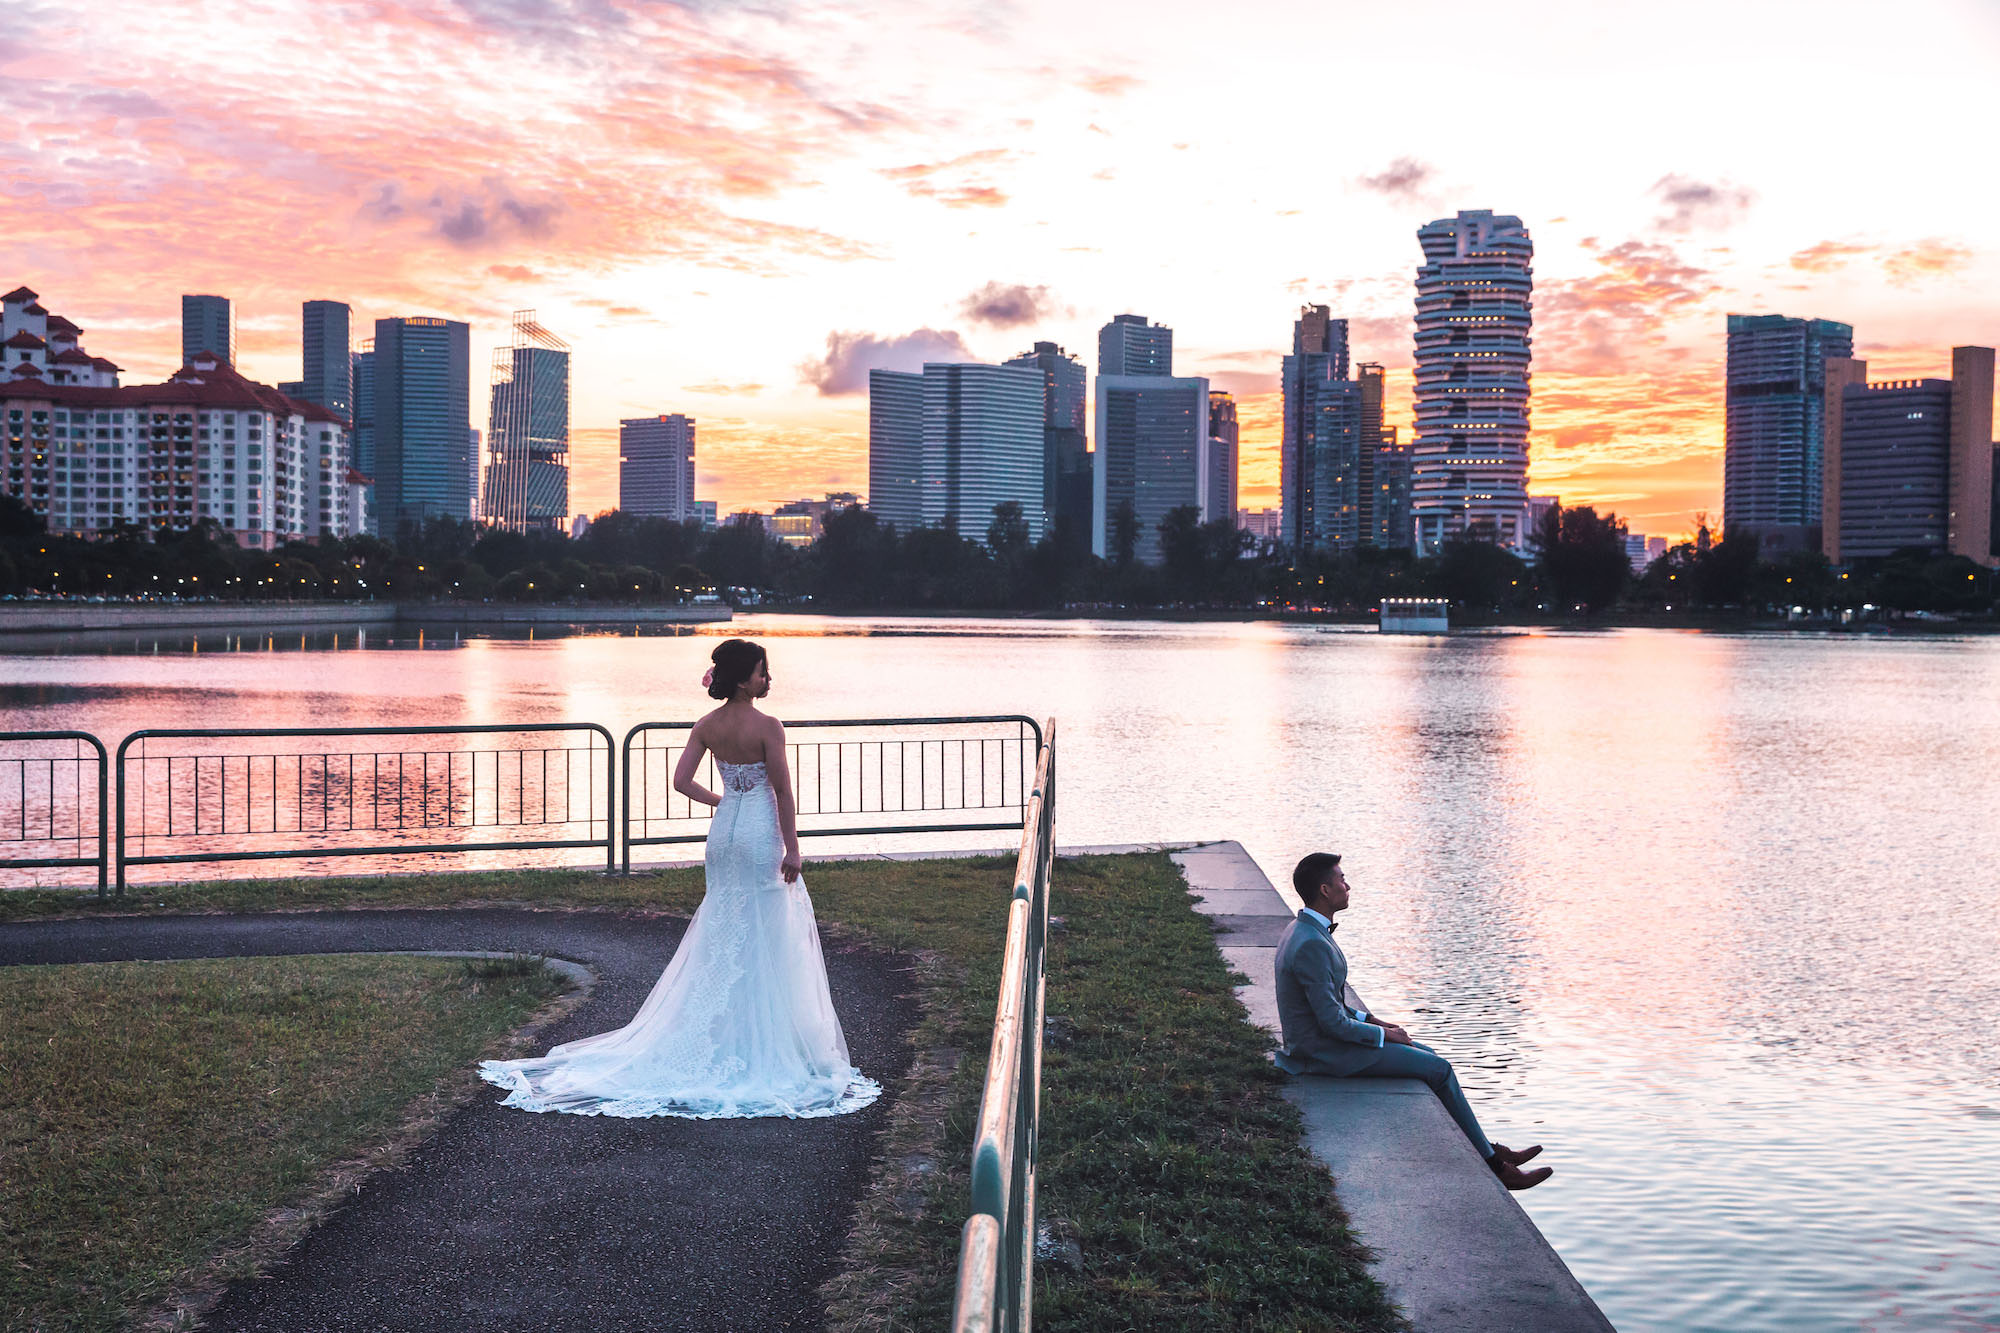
x,y
1415,615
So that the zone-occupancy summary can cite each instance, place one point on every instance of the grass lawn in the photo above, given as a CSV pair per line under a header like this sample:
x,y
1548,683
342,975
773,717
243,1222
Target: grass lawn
x,y
152,1114
1168,1155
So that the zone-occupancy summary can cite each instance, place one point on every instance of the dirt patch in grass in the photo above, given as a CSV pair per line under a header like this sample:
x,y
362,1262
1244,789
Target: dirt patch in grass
x,y
166,1127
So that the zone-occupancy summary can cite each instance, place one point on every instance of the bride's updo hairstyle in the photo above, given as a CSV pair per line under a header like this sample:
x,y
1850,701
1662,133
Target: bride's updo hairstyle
x,y
735,660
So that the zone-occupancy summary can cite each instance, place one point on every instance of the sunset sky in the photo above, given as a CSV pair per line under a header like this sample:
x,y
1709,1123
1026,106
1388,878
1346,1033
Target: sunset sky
x,y
734,210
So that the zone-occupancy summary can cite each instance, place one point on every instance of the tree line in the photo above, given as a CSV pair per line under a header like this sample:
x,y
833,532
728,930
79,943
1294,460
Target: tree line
x,y
860,563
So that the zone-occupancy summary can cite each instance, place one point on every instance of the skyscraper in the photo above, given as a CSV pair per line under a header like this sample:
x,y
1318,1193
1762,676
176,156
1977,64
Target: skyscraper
x,y
1152,458
421,386
948,445
475,469
1065,458
527,475
983,446
1970,515
1469,463
1841,371
328,373
1319,470
1895,466
896,447
1774,428
656,467
1128,345
1390,485
208,324
1222,440
1909,462
363,362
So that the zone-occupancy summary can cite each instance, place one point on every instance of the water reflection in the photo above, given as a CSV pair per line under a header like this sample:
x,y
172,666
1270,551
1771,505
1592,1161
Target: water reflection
x,y
1714,916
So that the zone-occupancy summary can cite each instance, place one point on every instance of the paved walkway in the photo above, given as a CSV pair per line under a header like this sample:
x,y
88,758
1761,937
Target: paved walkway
x,y
1453,1247
554,1222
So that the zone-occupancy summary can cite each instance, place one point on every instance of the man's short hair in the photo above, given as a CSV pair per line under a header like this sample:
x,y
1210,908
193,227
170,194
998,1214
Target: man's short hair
x,y
1313,871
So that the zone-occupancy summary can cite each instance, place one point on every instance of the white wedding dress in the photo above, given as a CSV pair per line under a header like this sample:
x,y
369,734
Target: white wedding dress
x,y
740,1023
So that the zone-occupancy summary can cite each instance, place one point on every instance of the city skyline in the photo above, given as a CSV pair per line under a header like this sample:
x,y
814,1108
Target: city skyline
x,y
822,161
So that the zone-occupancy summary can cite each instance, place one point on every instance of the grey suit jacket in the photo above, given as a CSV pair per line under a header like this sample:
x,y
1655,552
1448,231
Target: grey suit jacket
x,y
1323,1034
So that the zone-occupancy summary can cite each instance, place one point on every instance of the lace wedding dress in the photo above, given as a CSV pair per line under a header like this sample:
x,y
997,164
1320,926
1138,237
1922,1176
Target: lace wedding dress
x,y
740,1023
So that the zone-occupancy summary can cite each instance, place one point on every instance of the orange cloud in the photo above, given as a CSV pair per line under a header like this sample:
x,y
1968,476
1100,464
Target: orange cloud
x,y
956,182
1904,266
1827,256
1596,324
1925,259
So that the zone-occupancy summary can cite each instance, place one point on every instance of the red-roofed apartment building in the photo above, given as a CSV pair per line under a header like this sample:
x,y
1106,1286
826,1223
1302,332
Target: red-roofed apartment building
x,y
90,455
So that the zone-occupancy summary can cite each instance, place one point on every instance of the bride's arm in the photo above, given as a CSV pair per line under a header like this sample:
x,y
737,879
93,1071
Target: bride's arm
x,y
778,771
684,771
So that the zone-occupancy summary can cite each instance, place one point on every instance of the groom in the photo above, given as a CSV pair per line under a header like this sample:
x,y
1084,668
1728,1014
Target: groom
x,y
1323,1034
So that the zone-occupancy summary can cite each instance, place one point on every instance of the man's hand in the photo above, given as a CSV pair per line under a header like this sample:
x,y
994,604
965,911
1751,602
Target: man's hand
x,y
1394,1035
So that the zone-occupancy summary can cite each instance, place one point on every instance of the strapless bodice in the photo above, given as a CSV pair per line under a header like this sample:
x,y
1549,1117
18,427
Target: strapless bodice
x,y
742,777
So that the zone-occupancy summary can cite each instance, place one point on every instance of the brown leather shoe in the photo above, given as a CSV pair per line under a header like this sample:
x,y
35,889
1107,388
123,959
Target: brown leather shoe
x,y
1514,1178
1517,1156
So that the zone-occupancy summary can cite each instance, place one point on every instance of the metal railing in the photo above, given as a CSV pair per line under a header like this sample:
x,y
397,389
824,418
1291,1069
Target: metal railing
x,y
996,1259
980,767
204,795
48,802
238,795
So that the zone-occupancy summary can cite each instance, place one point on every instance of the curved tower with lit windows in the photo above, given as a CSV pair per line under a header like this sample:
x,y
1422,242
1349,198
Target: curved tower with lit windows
x,y
1469,466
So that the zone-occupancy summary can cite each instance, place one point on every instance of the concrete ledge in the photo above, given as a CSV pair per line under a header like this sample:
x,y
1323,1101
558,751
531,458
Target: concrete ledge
x,y
1452,1246
579,976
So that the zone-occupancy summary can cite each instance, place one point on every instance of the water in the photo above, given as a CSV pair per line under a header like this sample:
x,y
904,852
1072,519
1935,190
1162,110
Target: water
x,y
1711,916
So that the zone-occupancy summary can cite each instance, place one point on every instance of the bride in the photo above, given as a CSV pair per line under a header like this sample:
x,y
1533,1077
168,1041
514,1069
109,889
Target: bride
x,y
740,1023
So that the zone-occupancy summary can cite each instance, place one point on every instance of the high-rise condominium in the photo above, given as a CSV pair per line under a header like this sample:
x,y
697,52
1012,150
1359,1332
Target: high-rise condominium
x,y
1774,427
208,324
1469,464
656,467
420,386
329,371
1319,473
949,445
1065,458
1909,462
1222,442
1152,458
527,472
1128,345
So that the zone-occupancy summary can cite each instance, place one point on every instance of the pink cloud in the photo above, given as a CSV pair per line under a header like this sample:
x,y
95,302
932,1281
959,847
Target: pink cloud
x,y
958,182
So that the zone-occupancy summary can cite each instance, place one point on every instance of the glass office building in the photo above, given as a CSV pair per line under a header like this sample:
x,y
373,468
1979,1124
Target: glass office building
x,y
421,399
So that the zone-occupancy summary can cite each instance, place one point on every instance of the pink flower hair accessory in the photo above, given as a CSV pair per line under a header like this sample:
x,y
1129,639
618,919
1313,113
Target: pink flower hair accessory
x,y
708,678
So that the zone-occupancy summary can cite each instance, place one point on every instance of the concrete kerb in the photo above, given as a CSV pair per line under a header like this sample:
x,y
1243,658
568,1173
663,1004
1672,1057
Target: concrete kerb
x,y
1092,849
579,976
1453,1248
138,888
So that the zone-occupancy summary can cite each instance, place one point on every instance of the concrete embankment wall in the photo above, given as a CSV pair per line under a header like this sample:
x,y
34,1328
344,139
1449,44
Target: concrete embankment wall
x,y
74,618
1452,1246
492,613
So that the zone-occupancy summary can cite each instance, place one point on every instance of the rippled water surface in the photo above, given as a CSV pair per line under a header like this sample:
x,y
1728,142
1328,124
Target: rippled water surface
x,y
1714,917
